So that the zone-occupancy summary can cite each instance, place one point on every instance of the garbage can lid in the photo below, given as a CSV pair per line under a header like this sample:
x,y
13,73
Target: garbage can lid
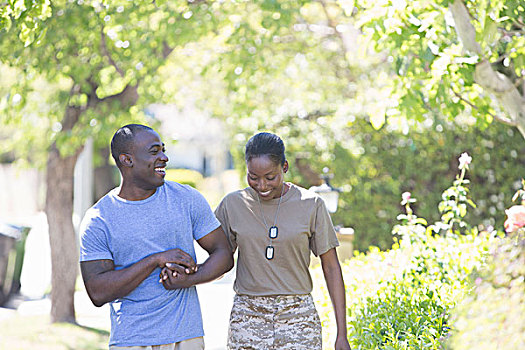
x,y
11,230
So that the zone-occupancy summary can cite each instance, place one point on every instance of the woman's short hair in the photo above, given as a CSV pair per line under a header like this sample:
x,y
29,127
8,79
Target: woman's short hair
x,y
265,144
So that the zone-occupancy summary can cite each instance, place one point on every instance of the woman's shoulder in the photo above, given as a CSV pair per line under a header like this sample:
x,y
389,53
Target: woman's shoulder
x,y
242,195
304,194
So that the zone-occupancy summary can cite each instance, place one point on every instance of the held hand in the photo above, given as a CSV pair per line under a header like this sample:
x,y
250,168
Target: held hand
x,y
341,343
177,260
173,280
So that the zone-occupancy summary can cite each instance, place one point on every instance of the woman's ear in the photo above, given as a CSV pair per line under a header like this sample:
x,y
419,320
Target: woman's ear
x,y
285,166
125,159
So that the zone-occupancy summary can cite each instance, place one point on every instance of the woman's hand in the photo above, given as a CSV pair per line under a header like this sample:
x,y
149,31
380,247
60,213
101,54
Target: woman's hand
x,y
341,343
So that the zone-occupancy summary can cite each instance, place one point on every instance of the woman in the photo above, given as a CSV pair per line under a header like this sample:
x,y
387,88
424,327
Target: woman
x,y
274,225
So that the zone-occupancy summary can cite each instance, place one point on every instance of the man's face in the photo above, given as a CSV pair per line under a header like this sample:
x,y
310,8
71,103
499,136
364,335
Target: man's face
x,y
149,160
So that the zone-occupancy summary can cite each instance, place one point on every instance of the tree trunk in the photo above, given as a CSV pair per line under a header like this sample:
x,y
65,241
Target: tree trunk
x,y
59,211
105,177
62,236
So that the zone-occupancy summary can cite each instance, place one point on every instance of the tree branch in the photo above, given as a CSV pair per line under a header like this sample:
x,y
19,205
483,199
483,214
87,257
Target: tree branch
x,y
494,82
166,50
464,28
496,117
332,24
105,52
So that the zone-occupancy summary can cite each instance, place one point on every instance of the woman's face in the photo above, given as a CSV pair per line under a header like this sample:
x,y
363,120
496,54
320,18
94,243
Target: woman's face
x,y
266,177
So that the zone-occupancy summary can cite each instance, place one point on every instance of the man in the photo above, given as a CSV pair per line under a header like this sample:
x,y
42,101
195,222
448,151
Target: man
x,y
140,231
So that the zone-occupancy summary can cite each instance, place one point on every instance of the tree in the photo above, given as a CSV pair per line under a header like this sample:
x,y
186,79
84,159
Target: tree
x,y
460,57
26,16
92,72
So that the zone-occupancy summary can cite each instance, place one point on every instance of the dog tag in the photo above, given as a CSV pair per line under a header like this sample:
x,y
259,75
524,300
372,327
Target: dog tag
x,y
269,252
274,231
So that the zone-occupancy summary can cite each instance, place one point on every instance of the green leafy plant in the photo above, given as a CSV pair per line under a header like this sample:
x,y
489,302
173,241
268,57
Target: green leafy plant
x,y
455,200
184,176
415,286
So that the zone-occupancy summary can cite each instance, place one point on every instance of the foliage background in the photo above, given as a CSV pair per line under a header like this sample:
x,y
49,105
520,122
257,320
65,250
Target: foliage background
x,y
386,94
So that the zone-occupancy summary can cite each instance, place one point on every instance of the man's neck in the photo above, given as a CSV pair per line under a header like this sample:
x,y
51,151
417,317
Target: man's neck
x,y
135,193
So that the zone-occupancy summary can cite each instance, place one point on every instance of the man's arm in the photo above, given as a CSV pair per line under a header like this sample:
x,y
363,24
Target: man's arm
x,y
104,283
218,263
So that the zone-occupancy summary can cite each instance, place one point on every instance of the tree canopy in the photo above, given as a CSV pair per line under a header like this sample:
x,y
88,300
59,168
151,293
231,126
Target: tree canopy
x,y
458,58
26,17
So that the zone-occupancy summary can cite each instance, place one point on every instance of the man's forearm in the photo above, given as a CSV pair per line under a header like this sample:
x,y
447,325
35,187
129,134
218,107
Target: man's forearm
x,y
109,285
218,263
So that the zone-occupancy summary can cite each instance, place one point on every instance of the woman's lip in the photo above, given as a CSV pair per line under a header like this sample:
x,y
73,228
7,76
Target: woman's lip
x,y
265,193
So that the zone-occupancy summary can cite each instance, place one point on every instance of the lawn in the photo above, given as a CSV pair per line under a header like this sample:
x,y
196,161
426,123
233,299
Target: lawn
x,y
36,332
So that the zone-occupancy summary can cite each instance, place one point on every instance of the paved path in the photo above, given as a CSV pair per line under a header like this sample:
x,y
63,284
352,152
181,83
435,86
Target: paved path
x,y
216,300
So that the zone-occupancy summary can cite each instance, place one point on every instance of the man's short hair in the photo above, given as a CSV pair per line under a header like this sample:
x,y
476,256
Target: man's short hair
x,y
122,141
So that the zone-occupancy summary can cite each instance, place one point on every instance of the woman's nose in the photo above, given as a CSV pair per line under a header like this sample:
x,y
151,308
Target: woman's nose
x,y
262,184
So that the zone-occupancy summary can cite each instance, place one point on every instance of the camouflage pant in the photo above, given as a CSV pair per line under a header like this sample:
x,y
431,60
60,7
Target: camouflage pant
x,y
274,322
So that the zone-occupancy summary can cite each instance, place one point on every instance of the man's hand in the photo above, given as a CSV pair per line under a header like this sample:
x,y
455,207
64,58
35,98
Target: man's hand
x,y
174,270
177,261
180,274
171,279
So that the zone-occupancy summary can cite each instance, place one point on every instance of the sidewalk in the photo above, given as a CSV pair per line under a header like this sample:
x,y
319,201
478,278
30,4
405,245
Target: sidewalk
x,y
216,299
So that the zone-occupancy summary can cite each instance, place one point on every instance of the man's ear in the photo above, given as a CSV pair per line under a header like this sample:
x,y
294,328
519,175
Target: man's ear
x,y
285,166
126,160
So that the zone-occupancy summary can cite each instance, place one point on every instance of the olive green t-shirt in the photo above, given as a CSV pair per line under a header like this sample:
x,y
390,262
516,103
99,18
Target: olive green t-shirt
x,y
303,224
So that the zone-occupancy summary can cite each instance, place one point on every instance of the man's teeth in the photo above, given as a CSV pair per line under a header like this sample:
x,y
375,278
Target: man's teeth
x,y
265,193
160,170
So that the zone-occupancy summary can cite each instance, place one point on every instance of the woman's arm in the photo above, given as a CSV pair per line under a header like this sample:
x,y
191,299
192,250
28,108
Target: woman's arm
x,y
219,262
336,289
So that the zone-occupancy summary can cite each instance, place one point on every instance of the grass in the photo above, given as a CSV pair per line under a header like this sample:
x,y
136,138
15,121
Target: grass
x,y
36,332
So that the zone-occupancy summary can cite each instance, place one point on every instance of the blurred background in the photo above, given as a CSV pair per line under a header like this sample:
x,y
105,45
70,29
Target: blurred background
x,y
372,99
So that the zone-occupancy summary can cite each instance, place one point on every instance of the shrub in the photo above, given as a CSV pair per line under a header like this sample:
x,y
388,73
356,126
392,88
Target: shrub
x,y
184,176
403,298
493,314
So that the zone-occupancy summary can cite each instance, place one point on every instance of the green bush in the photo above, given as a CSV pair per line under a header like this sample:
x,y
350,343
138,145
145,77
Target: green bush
x,y
412,309
184,176
492,316
404,298
382,164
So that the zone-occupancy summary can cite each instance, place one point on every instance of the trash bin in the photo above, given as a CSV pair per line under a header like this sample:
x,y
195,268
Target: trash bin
x,y
12,250
345,235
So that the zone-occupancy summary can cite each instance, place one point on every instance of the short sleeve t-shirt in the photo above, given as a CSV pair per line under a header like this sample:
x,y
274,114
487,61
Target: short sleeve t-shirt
x,y
128,231
303,224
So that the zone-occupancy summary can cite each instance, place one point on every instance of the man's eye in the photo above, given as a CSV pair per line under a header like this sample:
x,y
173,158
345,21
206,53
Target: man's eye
x,y
271,178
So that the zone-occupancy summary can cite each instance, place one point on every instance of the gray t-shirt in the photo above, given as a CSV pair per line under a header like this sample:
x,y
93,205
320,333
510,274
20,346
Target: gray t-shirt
x,y
303,224
128,231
